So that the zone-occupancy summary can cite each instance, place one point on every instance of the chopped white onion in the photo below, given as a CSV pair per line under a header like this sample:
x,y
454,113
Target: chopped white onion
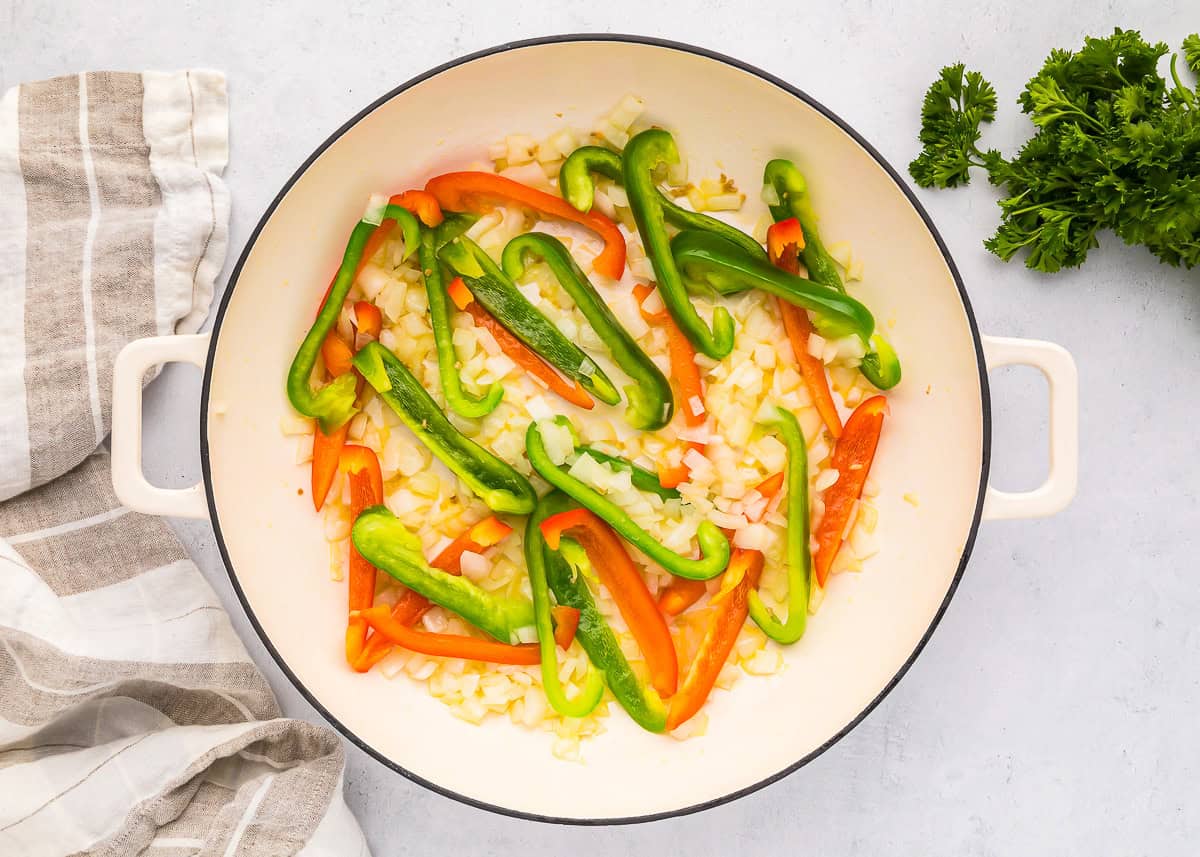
x,y
475,566
376,203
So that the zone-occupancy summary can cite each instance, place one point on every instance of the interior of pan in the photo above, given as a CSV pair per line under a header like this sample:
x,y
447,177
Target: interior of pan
x,y
726,119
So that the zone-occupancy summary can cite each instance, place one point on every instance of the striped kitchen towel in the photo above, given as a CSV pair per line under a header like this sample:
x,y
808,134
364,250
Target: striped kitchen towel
x,y
132,720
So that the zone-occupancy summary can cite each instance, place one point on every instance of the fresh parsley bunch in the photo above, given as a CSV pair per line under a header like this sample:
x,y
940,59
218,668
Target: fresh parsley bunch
x,y
1116,147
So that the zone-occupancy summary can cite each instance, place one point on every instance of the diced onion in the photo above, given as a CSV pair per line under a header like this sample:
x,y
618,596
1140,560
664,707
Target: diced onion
x,y
475,566
376,204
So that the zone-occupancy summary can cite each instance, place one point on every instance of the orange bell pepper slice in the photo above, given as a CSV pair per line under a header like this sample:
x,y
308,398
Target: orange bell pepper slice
x,y
411,606
382,622
785,240
477,191
361,466
689,384
516,350
369,318
420,203
782,234
327,448
566,623
852,457
623,580
728,617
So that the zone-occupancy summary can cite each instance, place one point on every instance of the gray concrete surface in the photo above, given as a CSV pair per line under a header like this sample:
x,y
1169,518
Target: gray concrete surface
x,y
1055,710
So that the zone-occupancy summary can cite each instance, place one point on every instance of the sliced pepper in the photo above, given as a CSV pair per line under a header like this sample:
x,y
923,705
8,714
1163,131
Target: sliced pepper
x,y
361,466
784,240
333,404
411,606
720,635
537,558
852,457
390,546
687,379
566,623
460,401
516,350
327,448
577,186
495,481
799,556
880,366
643,154
624,581
650,401
568,582
499,296
714,547
382,622
716,263
421,203
643,479
475,191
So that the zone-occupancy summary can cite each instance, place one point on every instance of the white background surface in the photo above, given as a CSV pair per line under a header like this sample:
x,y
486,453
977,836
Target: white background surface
x,y
1054,710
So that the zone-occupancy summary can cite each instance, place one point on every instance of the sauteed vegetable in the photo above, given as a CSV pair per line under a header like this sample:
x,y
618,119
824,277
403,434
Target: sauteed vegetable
x,y
602,443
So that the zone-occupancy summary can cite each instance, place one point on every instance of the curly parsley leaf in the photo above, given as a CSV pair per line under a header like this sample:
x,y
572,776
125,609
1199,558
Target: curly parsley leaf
x,y
1191,52
1115,147
955,106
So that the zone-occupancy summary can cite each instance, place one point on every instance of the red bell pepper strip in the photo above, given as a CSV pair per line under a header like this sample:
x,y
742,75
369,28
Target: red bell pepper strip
x,y
566,623
366,489
728,617
516,350
688,382
475,191
447,645
622,579
338,356
852,457
420,203
782,234
785,240
369,319
411,606
327,448
682,593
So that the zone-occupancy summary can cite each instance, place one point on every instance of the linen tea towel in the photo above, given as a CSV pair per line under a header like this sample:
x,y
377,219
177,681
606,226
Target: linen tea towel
x,y
132,720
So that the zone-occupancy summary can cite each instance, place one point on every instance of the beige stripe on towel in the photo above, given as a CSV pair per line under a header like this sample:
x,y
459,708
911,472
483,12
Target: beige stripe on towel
x,y
57,211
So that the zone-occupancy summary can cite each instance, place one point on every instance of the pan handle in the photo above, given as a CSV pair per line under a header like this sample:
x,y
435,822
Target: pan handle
x,y
129,481
1056,363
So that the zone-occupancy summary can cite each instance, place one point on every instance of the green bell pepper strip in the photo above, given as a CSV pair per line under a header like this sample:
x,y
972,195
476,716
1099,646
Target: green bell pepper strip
x,y
333,404
642,155
538,557
651,402
388,545
441,315
719,265
643,479
499,296
577,186
714,547
799,554
567,572
501,487
880,366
